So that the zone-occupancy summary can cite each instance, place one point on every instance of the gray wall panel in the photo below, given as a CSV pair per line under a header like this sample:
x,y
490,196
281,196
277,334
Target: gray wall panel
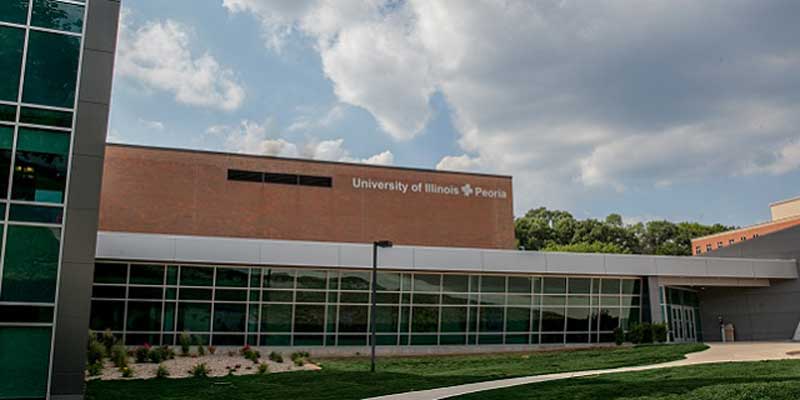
x,y
91,125
575,263
208,250
630,265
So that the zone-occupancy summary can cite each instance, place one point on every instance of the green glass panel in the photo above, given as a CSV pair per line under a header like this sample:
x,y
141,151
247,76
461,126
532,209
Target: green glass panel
x,y
359,298
172,275
6,140
551,301
36,116
110,273
387,319
331,324
517,284
333,280
555,285
31,264
14,11
255,277
229,317
491,319
51,71
424,340
279,278
455,283
276,318
493,299
517,339
426,298
310,297
43,141
631,286
311,279
59,16
278,296
452,339
427,283
40,173
197,276
26,314
424,319
352,340
107,315
578,300
195,294
455,298
172,294
609,319
12,42
144,316
388,281
628,301
577,319
148,292
109,292
353,318
386,340
454,319
553,319
309,319
24,362
493,284
276,340
580,285
147,274
169,317
611,286
42,214
194,317
610,301
7,113
230,295
518,300
252,318
518,319
308,340
232,277
354,280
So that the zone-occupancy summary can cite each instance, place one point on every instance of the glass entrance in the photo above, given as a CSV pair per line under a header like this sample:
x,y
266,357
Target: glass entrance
x,y
682,324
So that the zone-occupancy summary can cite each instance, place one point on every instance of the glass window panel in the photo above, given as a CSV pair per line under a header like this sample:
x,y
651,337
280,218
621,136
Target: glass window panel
x,y
355,280
537,285
536,316
517,339
51,70
518,319
580,285
427,283
230,295
276,318
631,286
228,340
490,339
455,298
31,264
172,294
610,301
278,296
197,276
255,277
59,16
628,301
388,298
551,301
553,319
147,274
424,340
7,112
454,319
110,273
353,318
493,299
172,275
6,138
352,340
578,338
40,171
331,324
145,293
37,116
354,298
310,297
12,41
609,319
629,317
389,281
333,280
386,340
455,283
491,319
555,285
493,284
107,315
452,339
24,362
230,277
194,317
387,319
169,317
41,214
276,340
111,292
14,11
425,298
424,319
311,279
405,282
144,316
578,319
308,340
578,301
279,278
519,300
309,319
195,294
229,317
611,286
519,284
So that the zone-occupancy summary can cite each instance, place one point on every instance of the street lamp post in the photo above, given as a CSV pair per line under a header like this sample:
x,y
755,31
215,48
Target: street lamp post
x,y
374,308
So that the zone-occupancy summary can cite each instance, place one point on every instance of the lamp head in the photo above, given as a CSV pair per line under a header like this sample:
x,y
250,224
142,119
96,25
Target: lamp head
x,y
384,243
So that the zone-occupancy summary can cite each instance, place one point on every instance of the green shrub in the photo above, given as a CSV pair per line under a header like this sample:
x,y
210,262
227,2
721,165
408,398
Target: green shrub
x,y
119,355
155,355
127,372
619,336
95,368
250,354
142,354
162,371
108,340
95,350
276,357
263,369
200,370
634,334
299,358
659,332
185,341
647,333
165,352
201,351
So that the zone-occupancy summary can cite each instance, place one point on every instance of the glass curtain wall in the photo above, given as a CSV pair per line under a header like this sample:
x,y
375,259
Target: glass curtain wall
x,y
325,307
40,49
674,303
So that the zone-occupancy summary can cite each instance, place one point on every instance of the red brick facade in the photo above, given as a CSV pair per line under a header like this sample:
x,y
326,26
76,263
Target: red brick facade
x,y
709,243
151,190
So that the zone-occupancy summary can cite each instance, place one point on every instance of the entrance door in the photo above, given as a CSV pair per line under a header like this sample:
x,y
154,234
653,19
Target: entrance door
x,y
682,324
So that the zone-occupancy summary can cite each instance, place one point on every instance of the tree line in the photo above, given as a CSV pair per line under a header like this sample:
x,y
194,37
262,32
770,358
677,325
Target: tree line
x,y
556,230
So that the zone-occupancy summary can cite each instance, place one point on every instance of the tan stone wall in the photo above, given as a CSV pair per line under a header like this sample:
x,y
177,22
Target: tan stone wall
x,y
150,190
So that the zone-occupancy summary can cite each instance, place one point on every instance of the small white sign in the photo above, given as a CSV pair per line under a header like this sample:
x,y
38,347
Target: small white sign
x,y
465,190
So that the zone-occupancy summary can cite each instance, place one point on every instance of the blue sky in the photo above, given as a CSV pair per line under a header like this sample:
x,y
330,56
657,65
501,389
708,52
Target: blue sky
x,y
673,110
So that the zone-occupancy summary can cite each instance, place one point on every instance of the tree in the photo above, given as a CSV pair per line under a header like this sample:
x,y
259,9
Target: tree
x,y
594,247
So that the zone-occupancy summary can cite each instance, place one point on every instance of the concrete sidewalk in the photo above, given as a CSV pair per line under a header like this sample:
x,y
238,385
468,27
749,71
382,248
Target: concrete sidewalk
x,y
717,353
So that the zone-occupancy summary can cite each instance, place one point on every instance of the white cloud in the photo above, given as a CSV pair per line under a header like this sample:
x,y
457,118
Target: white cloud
x,y
151,125
158,55
255,138
571,98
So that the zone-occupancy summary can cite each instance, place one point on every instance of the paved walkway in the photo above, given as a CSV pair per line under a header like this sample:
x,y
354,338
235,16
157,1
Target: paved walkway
x,y
717,353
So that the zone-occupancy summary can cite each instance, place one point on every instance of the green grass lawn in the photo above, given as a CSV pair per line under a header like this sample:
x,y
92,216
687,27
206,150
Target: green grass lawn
x,y
350,378
765,380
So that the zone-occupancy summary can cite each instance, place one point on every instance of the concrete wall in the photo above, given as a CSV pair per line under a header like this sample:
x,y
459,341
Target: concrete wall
x,y
83,198
785,209
770,313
